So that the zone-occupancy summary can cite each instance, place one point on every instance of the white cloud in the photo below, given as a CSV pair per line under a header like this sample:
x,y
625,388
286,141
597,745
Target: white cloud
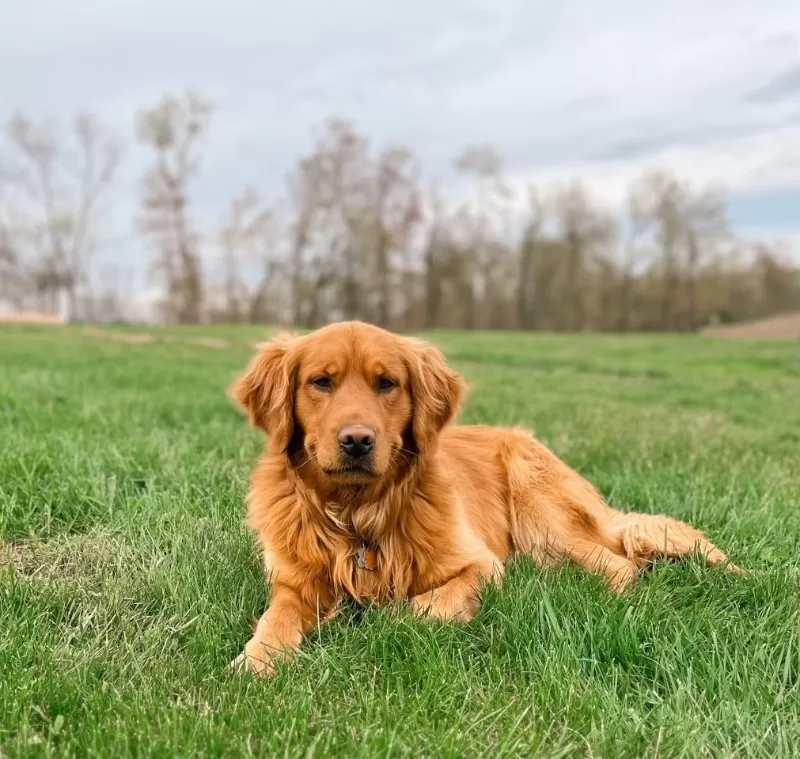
x,y
751,163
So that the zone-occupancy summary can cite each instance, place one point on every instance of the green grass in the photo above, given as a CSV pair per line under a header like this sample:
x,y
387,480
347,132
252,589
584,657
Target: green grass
x,y
132,581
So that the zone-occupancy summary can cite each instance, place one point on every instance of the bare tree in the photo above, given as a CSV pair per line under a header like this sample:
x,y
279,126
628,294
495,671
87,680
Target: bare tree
x,y
433,263
633,251
397,212
249,242
707,227
529,248
310,269
331,224
476,218
348,185
354,213
584,230
57,183
12,286
778,280
173,129
686,226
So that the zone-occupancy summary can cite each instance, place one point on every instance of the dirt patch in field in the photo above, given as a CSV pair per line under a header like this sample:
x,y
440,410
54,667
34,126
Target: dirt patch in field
x,y
85,560
208,342
120,337
785,326
148,337
32,317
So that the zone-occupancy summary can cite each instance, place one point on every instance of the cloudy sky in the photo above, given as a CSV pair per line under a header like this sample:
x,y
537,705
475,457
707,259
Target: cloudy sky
x,y
577,89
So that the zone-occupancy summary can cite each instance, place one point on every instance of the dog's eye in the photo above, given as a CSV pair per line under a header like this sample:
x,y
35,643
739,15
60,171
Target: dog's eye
x,y
385,384
323,383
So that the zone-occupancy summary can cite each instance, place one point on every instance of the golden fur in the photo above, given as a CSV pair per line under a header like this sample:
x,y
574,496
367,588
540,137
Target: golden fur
x,y
445,506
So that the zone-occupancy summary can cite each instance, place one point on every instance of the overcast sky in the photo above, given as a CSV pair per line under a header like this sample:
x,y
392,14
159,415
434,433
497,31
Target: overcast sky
x,y
587,89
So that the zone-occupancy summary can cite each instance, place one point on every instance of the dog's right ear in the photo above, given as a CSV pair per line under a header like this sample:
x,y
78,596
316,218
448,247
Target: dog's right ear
x,y
266,390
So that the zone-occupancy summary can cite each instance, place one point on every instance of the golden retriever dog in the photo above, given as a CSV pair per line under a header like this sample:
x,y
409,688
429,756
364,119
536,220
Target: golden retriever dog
x,y
366,490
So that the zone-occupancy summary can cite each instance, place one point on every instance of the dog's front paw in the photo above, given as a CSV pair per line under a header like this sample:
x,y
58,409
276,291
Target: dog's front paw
x,y
252,660
443,606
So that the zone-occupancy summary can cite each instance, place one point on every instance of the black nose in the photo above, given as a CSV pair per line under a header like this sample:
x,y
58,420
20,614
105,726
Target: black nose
x,y
356,440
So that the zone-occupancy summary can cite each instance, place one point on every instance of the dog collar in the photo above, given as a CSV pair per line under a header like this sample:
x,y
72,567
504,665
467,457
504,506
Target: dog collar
x,y
367,557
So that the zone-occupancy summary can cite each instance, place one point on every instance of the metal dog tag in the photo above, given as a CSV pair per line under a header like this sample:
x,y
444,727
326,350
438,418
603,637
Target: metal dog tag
x,y
367,558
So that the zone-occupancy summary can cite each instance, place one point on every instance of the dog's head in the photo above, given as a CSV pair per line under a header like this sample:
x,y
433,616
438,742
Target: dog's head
x,y
350,400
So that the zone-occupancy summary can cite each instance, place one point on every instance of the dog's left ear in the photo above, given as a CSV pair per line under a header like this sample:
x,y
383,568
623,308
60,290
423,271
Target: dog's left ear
x,y
436,393
266,390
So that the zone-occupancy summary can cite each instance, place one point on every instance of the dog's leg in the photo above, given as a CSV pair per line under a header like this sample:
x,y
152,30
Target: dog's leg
x,y
279,631
458,599
556,512
619,571
646,537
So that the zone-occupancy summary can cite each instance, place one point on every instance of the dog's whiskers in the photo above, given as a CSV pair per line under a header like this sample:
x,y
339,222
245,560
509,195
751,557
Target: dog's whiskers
x,y
309,459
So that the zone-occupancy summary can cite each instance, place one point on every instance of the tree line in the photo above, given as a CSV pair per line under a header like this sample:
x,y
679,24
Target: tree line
x,y
360,233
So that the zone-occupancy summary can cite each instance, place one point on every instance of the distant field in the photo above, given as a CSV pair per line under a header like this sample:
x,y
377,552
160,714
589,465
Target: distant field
x,y
785,326
128,581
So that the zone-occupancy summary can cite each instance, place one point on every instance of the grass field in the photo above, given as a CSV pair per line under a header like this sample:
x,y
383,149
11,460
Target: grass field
x,y
129,581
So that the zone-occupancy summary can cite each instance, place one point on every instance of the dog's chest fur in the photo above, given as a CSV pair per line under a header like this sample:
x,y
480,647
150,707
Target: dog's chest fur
x,y
313,542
